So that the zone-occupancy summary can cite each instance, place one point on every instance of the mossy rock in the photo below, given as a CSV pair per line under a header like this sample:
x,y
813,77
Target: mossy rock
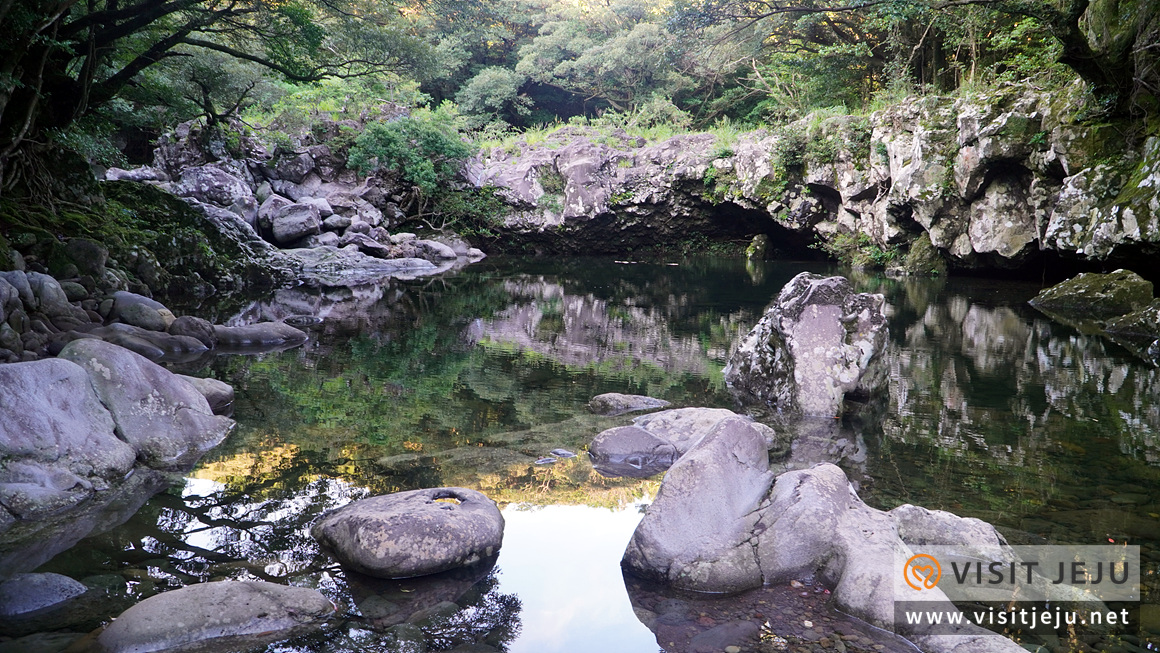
x,y
923,259
1096,296
1143,324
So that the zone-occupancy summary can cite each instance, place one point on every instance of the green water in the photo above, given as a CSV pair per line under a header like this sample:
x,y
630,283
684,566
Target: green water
x,y
992,411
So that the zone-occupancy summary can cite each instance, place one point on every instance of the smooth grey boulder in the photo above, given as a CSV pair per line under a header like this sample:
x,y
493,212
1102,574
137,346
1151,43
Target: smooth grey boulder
x,y
25,593
412,533
615,403
196,328
696,534
818,342
51,299
365,244
140,315
19,281
57,441
144,173
162,417
124,300
1095,295
294,222
218,394
225,615
260,334
269,208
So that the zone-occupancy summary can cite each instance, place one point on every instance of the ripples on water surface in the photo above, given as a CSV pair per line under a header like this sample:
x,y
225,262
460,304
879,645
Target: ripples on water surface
x,y
993,412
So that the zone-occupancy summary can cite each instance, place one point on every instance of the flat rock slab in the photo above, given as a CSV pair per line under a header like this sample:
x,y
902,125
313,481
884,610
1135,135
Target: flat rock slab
x,y
412,533
216,616
615,403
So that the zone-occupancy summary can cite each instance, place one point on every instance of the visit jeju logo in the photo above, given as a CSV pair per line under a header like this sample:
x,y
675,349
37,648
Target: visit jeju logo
x,y
922,572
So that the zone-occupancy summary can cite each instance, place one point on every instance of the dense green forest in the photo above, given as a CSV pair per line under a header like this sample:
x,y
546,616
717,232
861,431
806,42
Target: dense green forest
x,y
105,77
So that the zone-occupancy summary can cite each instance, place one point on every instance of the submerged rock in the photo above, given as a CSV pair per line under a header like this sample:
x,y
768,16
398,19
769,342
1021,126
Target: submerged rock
x,y
412,533
818,343
655,441
615,403
226,615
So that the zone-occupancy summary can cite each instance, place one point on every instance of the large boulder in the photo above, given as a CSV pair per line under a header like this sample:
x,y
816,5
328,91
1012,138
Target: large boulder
x,y
1097,296
717,525
696,534
226,615
818,342
57,441
412,533
166,420
294,222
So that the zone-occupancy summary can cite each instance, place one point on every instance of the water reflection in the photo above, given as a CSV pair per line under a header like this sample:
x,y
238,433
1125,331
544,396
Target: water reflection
x,y
993,411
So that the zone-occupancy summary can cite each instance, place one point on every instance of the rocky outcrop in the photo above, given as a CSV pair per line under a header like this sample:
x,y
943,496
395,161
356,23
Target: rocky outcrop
x,y
720,523
412,533
293,199
225,615
817,343
991,178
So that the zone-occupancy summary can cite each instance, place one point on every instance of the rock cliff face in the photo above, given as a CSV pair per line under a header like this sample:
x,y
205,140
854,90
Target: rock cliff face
x,y
991,178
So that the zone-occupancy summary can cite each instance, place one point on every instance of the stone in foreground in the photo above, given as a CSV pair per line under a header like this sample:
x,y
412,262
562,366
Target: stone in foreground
x,y
615,403
227,615
412,533
818,343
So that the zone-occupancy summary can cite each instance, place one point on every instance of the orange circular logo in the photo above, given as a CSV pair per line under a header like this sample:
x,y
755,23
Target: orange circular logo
x,y
922,572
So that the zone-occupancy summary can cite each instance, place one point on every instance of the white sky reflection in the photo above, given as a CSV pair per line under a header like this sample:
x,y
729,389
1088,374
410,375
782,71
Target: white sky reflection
x,y
564,564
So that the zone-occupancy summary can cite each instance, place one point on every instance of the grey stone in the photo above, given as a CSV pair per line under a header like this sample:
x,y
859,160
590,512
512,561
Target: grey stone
x,y
294,169
412,533
140,315
153,345
194,327
819,341
336,223
269,208
240,614
324,239
615,403
218,394
166,420
684,427
696,534
50,298
144,173
324,208
57,441
25,593
19,281
294,222
366,245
